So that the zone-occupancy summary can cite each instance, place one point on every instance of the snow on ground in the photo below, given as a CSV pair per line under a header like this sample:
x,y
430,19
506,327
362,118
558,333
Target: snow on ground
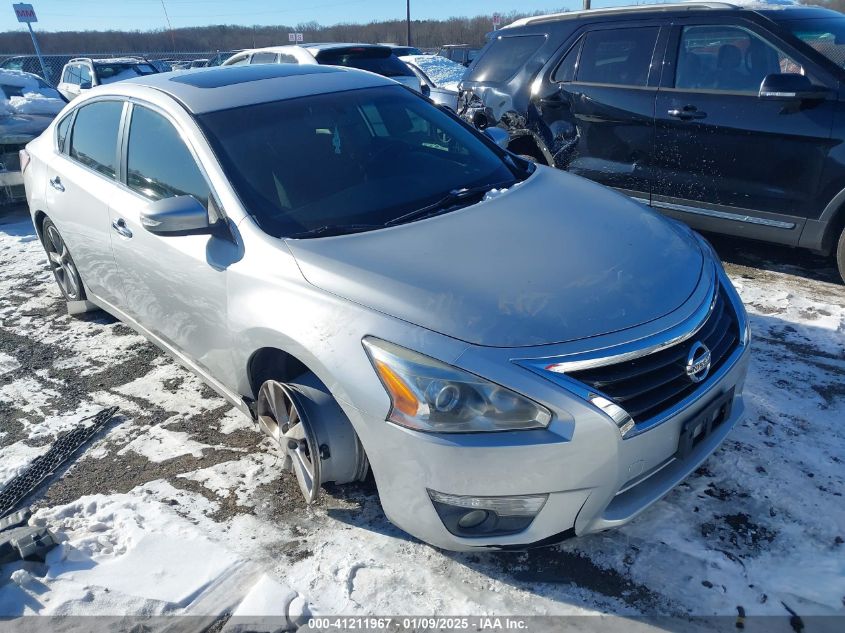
x,y
180,507
442,71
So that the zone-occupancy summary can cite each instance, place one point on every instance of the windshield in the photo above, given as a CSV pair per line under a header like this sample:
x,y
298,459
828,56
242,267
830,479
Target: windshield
x,y
109,73
826,35
377,60
361,157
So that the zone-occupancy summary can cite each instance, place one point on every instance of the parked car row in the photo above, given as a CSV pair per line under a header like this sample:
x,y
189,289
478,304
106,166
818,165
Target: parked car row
x,y
725,117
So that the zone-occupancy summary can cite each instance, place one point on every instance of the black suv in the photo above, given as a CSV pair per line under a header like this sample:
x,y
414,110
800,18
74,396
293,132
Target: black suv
x,y
730,119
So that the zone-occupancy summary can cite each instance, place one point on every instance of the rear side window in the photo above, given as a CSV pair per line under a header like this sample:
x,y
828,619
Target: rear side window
x,y
376,60
566,69
617,56
263,58
61,132
94,138
158,163
505,56
284,58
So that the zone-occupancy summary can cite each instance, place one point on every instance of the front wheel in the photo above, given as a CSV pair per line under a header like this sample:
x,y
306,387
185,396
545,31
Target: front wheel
x,y
317,440
61,263
840,255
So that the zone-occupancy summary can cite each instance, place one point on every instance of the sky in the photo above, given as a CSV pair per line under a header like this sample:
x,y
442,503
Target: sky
x,y
61,15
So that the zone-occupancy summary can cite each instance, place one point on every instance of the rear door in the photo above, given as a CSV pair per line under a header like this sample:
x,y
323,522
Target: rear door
x,y
598,105
82,182
175,285
727,160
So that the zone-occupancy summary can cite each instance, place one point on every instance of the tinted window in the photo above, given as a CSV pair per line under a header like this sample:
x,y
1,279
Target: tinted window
x,y
727,58
566,69
263,58
84,74
71,75
158,163
617,56
94,137
372,156
505,56
826,35
376,60
284,58
61,132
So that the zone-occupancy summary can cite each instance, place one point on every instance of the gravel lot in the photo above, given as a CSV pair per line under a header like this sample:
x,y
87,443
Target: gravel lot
x,y
760,525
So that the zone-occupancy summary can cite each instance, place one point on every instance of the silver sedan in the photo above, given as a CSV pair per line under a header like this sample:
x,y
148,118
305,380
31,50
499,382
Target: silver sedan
x,y
517,354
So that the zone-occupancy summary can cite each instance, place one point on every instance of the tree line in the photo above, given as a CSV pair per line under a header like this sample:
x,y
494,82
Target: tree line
x,y
424,33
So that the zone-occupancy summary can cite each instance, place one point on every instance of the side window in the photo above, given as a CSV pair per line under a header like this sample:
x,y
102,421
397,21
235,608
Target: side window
x,y
506,55
67,76
727,58
93,141
263,58
284,58
617,56
568,65
84,75
61,132
240,61
158,163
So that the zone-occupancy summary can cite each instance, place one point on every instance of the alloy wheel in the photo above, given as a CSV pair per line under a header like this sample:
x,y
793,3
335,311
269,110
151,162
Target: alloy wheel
x,y
62,264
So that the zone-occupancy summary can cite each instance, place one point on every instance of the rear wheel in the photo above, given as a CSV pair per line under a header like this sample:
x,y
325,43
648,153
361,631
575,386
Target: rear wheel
x,y
61,262
840,255
315,436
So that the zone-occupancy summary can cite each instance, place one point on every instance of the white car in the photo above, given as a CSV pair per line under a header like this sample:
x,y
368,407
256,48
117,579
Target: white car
x,y
83,73
372,57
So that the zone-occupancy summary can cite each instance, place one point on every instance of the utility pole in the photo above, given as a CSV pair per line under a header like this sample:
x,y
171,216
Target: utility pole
x,y
586,5
408,18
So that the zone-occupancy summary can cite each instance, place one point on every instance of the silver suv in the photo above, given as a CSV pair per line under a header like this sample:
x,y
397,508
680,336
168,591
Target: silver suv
x,y
519,355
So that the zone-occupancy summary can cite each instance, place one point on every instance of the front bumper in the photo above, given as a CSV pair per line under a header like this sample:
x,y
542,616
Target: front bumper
x,y
594,478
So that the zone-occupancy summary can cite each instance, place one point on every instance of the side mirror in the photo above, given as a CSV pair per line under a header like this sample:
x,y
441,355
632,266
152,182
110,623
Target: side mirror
x,y
181,215
790,86
498,136
425,89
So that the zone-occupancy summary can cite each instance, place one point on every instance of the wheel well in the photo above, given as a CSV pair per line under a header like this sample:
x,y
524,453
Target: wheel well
x,y
270,362
526,145
40,216
837,224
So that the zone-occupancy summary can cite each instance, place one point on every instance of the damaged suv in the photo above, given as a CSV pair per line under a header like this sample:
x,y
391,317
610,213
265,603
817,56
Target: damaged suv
x,y
726,117
519,355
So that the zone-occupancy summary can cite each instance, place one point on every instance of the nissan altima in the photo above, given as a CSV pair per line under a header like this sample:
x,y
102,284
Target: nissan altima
x,y
517,354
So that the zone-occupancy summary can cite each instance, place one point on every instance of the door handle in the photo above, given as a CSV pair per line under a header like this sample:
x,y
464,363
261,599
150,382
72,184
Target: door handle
x,y
687,113
119,225
56,183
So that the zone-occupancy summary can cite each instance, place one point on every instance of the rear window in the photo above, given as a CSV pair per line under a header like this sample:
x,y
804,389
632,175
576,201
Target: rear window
x,y
376,60
505,56
109,73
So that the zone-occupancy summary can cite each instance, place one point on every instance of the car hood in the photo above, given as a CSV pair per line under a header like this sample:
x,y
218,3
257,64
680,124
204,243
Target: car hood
x,y
554,259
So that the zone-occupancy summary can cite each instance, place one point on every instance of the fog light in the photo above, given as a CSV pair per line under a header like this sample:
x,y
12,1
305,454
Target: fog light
x,y
487,516
472,519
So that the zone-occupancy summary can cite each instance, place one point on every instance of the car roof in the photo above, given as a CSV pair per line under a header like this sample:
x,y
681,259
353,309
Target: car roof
x,y
202,90
775,9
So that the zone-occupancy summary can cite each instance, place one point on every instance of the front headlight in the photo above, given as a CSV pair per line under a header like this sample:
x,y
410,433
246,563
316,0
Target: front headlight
x,y
428,395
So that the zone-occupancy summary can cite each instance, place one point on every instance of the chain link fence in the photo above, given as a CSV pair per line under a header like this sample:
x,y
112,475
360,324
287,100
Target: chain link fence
x,y
164,61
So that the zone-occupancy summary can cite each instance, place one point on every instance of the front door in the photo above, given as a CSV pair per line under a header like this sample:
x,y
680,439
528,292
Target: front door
x,y
598,106
726,159
175,286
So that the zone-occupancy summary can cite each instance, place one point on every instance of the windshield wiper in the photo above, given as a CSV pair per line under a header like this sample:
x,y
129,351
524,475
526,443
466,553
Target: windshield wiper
x,y
335,229
449,201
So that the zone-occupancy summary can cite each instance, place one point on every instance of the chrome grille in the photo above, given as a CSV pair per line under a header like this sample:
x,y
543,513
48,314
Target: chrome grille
x,y
648,385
